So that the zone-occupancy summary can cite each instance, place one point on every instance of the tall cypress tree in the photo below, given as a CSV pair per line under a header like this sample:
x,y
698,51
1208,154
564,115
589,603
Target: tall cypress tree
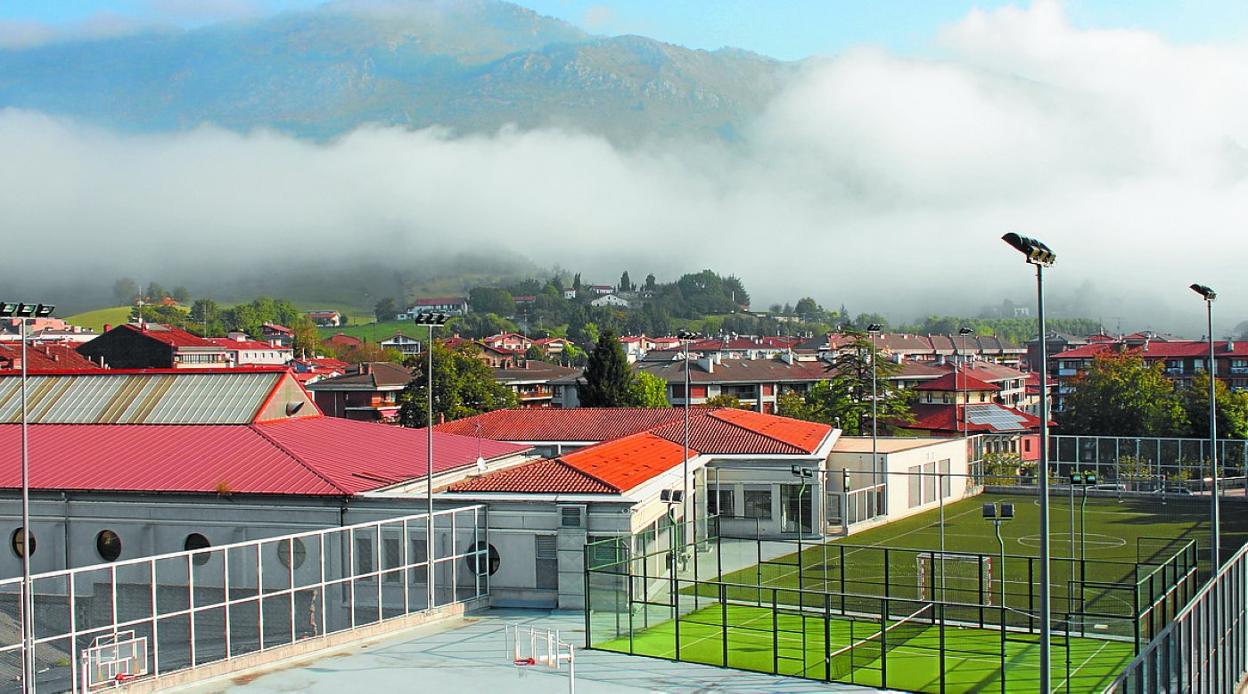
x,y
607,375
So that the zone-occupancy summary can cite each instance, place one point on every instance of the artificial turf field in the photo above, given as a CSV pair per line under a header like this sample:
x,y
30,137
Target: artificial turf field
x,y
972,655
1117,534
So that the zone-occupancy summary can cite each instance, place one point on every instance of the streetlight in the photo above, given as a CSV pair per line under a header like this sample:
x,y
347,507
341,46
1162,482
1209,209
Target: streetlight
x,y
998,514
24,312
874,329
1083,480
1209,295
686,337
1040,255
431,320
803,474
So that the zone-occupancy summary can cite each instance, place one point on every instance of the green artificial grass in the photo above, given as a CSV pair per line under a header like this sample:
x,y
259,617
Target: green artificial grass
x,y
788,643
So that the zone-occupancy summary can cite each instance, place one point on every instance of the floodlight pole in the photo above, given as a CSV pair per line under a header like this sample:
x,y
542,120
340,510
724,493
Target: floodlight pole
x,y
1001,544
1040,255
432,321
28,601
874,329
686,339
1215,545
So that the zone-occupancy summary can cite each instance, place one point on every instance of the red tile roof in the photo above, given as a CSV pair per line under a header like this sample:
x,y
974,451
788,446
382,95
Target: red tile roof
x,y
947,419
538,477
45,357
625,463
804,436
578,424
960,381
344,340
1161,349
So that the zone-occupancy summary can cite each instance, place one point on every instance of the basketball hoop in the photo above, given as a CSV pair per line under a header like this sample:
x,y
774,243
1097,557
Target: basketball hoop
x,y
524,662
535,647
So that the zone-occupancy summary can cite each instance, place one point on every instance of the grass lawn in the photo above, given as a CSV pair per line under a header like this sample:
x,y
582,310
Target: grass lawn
x,y
376,332
789,643
97,319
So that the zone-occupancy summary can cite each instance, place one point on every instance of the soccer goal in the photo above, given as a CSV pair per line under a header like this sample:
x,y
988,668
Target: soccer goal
x,y
533,647
113,660
945,576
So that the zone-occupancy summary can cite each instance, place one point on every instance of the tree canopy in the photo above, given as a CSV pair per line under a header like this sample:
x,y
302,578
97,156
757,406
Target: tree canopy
x,y
463,386
844,398
608,379
1121,395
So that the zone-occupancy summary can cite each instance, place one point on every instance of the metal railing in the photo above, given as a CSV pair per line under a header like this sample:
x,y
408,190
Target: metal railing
x,y
216,603
1204,648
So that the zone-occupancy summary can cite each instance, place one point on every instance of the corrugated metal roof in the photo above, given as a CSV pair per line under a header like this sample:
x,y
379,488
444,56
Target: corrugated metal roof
x,y
149,398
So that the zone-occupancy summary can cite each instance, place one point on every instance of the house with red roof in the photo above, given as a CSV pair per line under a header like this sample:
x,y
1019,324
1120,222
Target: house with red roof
x,y
1180,360
273,332
44,357
617,477
960,403
343,341
756,383
154,346
367,392
241,350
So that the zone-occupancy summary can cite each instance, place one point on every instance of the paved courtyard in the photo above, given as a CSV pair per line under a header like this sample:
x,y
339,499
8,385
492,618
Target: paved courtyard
x,y
468,655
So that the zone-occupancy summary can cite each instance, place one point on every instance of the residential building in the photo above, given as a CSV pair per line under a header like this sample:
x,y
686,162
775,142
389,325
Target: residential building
x,y
241,350
1056,343
44,357
532,381
552,347
612,300
934,348
407,346
367,392
569,294
450,305
326,318
756,383
312,369
600,289
153,346
281,334
342,341
510,342
498,357
44,331
960,404
1180,360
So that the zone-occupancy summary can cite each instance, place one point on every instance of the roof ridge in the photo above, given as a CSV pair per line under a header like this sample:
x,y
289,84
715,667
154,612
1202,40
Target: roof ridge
x,y
346,492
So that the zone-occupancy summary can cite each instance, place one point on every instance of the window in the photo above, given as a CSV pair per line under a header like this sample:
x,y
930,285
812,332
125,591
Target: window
x,y
18,543
196,541
475,563
758,502
721,502
546,558
946,484
915,483
363,555
293,548
108,545
391,558
571,516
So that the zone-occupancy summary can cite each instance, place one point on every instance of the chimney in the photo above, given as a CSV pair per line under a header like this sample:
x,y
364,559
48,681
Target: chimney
x,y
107,327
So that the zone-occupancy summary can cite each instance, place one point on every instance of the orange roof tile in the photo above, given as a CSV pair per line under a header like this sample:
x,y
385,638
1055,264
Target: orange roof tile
x,y
627,462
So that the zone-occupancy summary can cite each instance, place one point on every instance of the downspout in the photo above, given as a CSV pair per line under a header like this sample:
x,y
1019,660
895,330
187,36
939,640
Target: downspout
x,y
65,502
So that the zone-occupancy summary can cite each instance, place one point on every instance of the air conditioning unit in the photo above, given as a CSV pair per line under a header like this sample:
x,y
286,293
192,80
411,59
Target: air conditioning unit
x,y
572,516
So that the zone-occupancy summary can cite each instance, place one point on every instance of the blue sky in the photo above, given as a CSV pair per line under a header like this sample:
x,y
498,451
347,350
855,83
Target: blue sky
x,y
787,29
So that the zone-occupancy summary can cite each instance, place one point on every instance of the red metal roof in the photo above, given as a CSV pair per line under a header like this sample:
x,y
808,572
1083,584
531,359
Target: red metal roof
x,y
308,456
45,357
255,345
1161,349
538,477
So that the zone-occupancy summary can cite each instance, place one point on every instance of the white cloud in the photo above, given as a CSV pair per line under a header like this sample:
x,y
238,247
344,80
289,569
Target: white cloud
x,y
873,180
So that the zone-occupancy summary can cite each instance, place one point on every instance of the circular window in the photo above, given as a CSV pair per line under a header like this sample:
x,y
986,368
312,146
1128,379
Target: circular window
x,y
474,559
293,549
108,545
18,542
196,541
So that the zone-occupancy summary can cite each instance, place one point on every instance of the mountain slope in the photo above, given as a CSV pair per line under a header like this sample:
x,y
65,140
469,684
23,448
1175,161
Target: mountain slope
x,y
470,65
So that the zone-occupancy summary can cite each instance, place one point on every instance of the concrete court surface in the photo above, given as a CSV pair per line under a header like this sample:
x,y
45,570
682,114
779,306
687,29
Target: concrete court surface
x,y
468,655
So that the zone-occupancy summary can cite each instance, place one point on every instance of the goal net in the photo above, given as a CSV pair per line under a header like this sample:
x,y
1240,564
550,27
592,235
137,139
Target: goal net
x,y
951,577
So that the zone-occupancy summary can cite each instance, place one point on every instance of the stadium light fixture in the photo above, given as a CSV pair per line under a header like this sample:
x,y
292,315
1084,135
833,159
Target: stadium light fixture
x,y
998,514
1040,255
24,312
1215,543
430,320
686,337
874,329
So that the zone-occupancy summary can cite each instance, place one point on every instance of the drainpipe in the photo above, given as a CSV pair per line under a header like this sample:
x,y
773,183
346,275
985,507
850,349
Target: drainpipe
x,y
65,502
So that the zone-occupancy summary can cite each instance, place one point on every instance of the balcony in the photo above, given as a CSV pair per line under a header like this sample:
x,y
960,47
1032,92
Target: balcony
x,y
1067,372
1174,370
1239,369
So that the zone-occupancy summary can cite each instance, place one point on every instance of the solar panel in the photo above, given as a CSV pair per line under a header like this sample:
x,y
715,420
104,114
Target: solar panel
x,y
996,417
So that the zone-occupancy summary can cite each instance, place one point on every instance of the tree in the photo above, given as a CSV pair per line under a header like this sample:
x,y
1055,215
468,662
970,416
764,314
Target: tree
x,y
647,390
844,399
368,351
576,283
205,317
650,282
463,386
1241,331
385,310
625,284
534,353
181,294
806,307
155,292
492,300
723,400
307,340
607,376
125,291
1121,395
1232,409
